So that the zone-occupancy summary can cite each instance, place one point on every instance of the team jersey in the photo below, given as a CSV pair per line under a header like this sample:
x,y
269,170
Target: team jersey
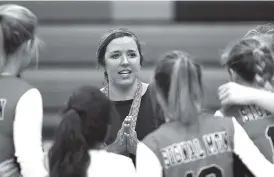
x,y
258,123
11,89
186,152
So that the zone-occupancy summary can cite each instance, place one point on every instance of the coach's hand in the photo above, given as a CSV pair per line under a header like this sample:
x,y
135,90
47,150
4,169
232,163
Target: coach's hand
x,y
119,146
233,93
132,140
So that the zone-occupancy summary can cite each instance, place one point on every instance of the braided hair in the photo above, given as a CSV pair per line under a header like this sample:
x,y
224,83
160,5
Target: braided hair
x,y
265,32
261,29
251,59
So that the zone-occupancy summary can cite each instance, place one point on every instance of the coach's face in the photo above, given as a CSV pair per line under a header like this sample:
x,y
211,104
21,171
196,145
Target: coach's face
x,y
122,61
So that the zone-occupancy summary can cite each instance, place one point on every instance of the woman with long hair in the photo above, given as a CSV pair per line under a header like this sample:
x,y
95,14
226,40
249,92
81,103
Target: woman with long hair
x,y
192,143
81,132
21,107
233,93
250,63
120,55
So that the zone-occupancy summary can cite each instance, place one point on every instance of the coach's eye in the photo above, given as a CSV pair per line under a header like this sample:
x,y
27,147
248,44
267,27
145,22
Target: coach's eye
x,y
132,54
115,56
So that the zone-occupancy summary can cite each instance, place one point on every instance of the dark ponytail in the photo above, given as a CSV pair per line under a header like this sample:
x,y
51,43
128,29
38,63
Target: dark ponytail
x,y
69,157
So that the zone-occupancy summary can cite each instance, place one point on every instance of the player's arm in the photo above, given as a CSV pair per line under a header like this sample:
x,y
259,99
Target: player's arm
x,y
233,93
250,154
263,99
27,130
147,163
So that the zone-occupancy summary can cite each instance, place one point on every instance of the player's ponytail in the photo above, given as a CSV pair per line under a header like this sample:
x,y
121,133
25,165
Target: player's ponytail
x,y
178,79
69,157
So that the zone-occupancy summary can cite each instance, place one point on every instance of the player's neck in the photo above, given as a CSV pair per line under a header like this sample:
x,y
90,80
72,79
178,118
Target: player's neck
x,y
248,84
11,70
117,93
190,127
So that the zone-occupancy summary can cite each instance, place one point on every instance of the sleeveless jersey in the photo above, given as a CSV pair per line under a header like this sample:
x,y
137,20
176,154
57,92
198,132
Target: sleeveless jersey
x,y
198,153
259,125
11,89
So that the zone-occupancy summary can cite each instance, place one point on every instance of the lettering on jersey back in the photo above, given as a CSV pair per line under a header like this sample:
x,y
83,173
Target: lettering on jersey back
x,y
192,150
217,143
3,103
252,112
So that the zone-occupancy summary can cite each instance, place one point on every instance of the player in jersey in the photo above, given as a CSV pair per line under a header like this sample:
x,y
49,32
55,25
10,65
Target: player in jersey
x,y
250,62
233,93
81,132
21,108
192,143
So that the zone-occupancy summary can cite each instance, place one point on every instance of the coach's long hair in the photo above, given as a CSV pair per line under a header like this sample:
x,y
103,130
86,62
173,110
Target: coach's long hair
x,y
83,126
251,59
179,89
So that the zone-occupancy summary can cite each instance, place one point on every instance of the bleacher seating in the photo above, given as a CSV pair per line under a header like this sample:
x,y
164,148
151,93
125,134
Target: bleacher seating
x,y
77,44
68,59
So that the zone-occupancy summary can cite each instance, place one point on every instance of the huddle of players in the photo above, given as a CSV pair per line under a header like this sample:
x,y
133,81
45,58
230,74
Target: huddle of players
x,y
194,144
190,143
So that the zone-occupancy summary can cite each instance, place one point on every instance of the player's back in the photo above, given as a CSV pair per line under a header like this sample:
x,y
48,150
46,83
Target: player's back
x,y
11,90
258,123
189,152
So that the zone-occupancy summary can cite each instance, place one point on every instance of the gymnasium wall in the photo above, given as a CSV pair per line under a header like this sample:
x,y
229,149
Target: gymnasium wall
x,y
71,31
